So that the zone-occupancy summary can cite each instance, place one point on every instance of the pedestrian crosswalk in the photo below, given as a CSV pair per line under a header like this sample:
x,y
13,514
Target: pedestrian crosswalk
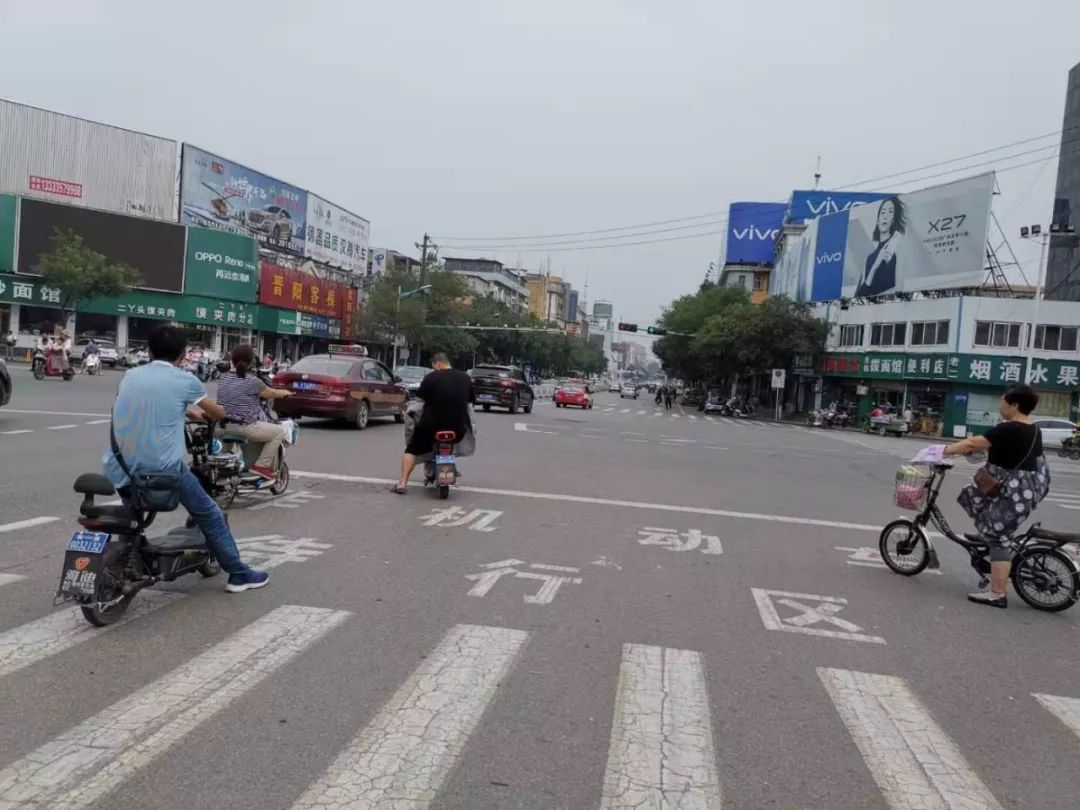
x,y
1066,500
661,413
664,748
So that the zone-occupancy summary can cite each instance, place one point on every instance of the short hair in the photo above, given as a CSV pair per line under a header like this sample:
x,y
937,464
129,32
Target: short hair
x,y
167,343
899,218
440,357
1024,397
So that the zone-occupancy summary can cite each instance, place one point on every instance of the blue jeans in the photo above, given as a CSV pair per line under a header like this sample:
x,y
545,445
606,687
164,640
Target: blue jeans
x,y
211,523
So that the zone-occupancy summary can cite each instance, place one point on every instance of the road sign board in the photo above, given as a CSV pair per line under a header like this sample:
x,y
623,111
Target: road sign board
x,y
779,377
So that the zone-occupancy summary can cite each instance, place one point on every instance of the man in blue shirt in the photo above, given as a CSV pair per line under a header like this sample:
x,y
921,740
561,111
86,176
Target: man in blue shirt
x,y
148,419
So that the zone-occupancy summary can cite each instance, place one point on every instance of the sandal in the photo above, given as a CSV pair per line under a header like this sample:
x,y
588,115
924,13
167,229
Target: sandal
x,y
397,489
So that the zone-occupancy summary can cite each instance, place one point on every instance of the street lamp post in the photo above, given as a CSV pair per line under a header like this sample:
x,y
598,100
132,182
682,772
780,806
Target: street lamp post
x,y
397,315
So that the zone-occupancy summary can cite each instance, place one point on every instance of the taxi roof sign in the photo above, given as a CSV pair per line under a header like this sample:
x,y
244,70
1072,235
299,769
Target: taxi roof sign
x,y
353,349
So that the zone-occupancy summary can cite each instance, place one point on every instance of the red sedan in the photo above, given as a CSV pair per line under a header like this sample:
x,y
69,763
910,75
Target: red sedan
x,y
572,395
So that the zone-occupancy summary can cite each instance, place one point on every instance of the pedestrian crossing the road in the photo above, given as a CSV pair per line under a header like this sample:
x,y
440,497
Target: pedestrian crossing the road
x,y
664,747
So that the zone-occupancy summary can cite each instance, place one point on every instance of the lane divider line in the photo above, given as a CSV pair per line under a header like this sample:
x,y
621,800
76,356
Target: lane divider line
x,y
26,524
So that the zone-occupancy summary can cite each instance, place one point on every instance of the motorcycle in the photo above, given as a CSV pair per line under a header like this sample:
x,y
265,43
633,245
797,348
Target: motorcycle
x,y
49,363
91,364
442,471
1070,448
106,565
815,418
223,464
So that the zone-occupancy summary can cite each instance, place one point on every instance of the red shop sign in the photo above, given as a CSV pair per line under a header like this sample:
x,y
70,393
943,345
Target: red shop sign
x,y
291,289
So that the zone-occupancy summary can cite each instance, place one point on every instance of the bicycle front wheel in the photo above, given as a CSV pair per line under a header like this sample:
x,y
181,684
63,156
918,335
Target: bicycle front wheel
x,y
904,547
1046,578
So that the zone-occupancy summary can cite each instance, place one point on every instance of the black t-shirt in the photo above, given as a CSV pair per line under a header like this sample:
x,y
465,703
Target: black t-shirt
x,y
446,396
1014,445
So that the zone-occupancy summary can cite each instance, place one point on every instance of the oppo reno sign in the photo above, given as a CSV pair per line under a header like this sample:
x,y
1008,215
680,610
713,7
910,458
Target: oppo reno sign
x,y
752,231
807,205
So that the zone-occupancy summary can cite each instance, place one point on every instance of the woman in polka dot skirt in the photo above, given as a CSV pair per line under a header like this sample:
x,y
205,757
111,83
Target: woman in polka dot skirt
x,y
1015,457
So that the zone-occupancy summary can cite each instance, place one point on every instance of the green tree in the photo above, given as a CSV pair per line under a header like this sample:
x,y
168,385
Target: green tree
x,y
688,315
385,314
82,273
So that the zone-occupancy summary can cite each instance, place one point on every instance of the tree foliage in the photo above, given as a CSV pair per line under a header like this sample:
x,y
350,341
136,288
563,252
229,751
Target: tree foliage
x,y
82,273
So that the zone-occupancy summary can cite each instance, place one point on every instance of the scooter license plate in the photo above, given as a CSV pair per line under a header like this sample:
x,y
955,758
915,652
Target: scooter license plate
x,y
88,542
444,459
83,562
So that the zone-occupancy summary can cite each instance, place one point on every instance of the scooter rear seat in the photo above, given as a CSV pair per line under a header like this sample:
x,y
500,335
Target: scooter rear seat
x,y
176,541
1061,538
94,484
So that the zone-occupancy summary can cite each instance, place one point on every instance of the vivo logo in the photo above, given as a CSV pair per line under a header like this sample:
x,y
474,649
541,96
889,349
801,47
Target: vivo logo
x,y
829,206
828,258
751,232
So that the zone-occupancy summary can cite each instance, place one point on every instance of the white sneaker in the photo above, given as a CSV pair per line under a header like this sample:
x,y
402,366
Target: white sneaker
x,y
989,598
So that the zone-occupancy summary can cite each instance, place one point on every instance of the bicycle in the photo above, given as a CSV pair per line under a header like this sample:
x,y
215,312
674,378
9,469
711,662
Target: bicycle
x,y
1042,574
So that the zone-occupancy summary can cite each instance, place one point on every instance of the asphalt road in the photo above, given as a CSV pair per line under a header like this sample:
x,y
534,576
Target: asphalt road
x,y
618,608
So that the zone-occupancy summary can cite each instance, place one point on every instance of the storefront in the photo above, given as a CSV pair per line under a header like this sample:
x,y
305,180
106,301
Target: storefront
x,y
951,395
309,310
29,307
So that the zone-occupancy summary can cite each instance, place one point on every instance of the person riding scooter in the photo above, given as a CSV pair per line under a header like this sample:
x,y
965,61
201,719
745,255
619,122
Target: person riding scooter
x,y
241,393
92,350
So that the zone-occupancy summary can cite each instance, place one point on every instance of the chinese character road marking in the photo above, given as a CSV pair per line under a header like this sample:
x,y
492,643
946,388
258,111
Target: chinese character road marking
x,y
290,501
670,539
869,557
277,550
821,613
495,571
479,520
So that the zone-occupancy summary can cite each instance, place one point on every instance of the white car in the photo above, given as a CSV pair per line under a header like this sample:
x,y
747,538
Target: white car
x,y
106,351
629,390
613,388
1054,432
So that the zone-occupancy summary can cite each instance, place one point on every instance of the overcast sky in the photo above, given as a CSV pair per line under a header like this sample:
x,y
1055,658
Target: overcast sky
x,y
487,119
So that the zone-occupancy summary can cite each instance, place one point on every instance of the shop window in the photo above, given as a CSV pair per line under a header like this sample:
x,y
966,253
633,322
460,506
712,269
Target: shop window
x,y
888,334
39,320
929,333
997,334
1054,403
982,410
852,334
1053,338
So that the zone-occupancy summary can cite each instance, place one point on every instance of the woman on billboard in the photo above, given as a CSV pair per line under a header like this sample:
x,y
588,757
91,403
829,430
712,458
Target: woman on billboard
x,y
879,273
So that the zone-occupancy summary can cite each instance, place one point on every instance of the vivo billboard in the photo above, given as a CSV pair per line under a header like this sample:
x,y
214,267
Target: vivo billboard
x,y
807,205
926,240
827,275
752,230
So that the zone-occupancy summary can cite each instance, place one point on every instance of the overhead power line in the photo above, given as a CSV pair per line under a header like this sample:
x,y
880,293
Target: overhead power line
x,y
723,214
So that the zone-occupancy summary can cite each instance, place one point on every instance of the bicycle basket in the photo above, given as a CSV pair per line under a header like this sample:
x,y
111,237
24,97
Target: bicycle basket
x,y
912,487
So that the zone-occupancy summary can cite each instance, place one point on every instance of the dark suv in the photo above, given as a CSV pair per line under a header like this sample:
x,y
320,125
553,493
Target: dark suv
x,y
503,386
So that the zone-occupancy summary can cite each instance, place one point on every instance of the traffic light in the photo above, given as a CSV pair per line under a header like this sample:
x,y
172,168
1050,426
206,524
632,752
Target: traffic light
x,y
627,327
656,330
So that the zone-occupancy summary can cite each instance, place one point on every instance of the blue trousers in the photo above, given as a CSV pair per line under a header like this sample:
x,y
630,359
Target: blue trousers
x,y
211,523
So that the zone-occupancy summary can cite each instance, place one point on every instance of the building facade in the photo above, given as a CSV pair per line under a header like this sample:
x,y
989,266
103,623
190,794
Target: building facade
x,y
949,359
1063,263
488,278
547,298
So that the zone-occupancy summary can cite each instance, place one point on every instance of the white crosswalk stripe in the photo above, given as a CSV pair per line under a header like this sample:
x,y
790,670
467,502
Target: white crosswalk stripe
x,y
7,579
1066,500
661,752
913,761
407,751
692,417
31,642
1067,710
86,762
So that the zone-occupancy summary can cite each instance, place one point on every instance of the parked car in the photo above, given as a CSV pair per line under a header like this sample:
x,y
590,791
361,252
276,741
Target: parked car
x,y
1054,432
411,377
502,387
135,355
343,384
613,387
694,398
714,402
5,384
628,390
273,221
106,351
576,395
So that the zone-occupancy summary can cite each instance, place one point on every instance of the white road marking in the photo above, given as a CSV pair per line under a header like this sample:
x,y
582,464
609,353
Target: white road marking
x,y
637,441
1067,710
714,447
758,424
31,642
54,413
915,764
692,417
661,752
26,524
709,419
98,422
61,427
88,761
674,416
641,413
658,413
405,754
658,507
589,436
523,427
824,612
7,579
14,432
625,410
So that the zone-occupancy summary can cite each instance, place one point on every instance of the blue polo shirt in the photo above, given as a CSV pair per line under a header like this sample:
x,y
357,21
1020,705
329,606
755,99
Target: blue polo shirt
x,y
148,419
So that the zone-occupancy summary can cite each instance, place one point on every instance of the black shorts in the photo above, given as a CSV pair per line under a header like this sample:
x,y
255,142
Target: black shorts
x,y
422,441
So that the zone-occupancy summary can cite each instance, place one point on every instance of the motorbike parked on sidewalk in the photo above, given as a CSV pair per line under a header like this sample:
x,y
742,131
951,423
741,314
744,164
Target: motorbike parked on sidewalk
x,y
50,363
113,559
1042,574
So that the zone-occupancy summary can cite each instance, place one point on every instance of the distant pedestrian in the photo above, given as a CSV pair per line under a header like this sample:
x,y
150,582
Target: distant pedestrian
x,y
669,397
9,345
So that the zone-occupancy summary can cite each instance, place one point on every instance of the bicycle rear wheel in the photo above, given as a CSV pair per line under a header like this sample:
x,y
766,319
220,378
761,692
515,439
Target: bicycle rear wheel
x,y
904,547
1046,578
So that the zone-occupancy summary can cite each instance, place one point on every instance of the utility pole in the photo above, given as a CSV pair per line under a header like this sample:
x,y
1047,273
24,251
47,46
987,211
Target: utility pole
x,y
423,257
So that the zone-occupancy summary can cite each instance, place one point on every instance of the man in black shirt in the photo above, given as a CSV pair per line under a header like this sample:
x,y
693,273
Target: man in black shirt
x,y
446,394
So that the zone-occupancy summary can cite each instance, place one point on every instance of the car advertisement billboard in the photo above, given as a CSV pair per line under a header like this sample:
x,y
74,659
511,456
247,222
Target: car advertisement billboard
x,y
217,193
154,248
335,236
929,239
752,230
807,205
221,265
47,155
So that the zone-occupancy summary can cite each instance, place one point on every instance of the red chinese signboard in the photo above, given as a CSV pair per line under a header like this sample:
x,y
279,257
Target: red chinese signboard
x,y
50,186
291,289
832,364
